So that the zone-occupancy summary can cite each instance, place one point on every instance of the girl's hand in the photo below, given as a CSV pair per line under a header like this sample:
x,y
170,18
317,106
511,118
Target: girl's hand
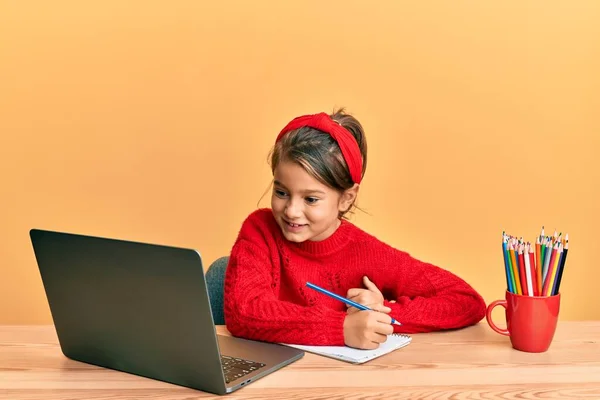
x,y
370,297
367,329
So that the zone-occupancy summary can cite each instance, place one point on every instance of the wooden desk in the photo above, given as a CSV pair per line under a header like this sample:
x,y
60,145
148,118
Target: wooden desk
x,y
473,363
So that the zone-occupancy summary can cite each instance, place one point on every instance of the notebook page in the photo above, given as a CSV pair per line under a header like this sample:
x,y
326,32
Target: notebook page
x,y
349,354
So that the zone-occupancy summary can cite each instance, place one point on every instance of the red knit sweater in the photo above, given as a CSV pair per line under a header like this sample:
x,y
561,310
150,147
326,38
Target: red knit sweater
x,y
266,298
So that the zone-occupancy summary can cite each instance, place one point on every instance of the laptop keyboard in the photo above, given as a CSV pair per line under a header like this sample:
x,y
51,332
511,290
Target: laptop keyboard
x,y
235,368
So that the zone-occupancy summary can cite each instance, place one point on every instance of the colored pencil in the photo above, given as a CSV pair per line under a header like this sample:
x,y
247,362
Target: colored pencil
x,y
563,260
532,269
515,268
538,270
509,286
549,273
522,273
525,257
511,269
547,259
553,270
542,256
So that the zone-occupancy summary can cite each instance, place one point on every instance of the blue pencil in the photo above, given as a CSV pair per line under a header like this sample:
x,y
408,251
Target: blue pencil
x,y
506,266
343,299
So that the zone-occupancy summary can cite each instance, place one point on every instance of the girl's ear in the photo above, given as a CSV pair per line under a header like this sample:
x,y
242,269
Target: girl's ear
x,y
348,198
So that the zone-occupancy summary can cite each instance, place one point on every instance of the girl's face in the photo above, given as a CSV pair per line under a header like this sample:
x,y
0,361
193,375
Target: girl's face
x,y
305,208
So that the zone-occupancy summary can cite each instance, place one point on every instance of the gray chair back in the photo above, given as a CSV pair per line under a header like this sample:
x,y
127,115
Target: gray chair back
x,y
215,281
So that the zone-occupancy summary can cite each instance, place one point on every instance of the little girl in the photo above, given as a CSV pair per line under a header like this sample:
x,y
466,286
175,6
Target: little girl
x,y
318,162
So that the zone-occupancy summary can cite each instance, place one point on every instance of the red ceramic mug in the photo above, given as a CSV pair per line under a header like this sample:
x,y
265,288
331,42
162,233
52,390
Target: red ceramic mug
x,y
530,320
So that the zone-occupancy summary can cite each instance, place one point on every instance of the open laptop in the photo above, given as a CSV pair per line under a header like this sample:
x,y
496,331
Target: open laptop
x,y
144,309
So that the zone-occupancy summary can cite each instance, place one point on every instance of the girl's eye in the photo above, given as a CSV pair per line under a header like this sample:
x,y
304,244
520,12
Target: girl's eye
x,y
311,200
279,193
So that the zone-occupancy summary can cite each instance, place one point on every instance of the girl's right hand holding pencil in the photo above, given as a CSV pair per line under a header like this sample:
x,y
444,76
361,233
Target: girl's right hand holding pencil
x,y
367,329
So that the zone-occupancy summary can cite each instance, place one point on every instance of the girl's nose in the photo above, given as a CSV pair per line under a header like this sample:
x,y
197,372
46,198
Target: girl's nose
x,y
292,210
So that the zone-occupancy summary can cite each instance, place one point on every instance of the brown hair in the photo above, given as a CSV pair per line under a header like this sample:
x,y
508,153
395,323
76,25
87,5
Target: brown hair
x,y
319,154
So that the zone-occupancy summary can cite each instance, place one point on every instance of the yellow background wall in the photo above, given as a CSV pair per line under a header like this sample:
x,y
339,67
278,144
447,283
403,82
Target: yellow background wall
x,y
152,121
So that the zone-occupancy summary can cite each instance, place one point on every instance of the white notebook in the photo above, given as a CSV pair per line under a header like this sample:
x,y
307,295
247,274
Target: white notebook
x,y
357,356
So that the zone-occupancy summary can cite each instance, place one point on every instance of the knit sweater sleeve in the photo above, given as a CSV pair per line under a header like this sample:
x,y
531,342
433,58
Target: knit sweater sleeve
x,y
254,311
428,298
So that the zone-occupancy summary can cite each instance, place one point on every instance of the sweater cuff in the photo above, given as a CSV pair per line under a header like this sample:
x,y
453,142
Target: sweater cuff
x,y
333,326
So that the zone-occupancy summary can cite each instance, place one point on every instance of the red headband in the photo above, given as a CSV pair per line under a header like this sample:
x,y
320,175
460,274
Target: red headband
x,y
341,135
